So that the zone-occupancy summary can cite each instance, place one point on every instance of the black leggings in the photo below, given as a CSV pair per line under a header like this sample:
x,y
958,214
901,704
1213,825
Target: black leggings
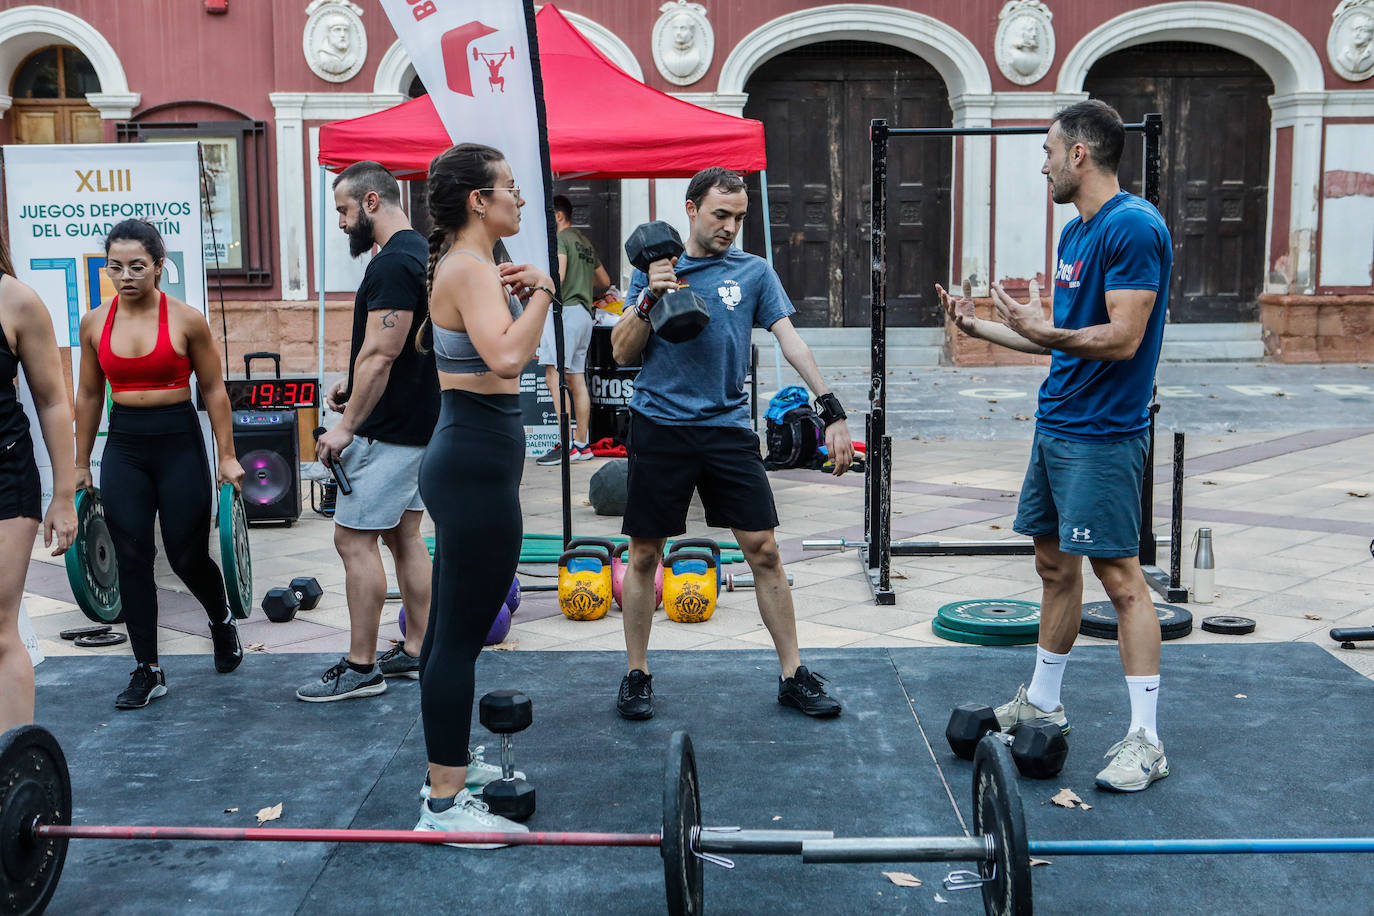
x,y
154,463
470,482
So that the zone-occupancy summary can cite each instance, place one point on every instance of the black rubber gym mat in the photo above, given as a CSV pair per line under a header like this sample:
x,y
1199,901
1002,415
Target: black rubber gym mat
x,y
1285,760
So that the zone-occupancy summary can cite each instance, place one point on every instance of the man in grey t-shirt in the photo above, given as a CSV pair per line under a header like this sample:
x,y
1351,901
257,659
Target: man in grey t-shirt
x,y
690,430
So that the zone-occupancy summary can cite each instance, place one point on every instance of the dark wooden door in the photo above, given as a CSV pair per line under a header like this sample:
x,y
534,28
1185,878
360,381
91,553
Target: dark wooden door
x,y
816,104
1214,185
596,211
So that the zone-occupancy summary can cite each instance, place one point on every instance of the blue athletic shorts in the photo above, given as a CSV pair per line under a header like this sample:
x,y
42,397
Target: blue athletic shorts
x,y
1087,492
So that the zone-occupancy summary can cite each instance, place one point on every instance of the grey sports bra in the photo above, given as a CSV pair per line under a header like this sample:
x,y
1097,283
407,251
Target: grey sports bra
x,y
453,350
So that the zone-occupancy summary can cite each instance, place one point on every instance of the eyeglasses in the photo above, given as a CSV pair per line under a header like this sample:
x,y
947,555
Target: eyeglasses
x,y
133,270
514,189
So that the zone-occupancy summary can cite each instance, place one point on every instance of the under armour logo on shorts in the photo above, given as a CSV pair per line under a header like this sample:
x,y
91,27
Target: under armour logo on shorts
x,y
1082,535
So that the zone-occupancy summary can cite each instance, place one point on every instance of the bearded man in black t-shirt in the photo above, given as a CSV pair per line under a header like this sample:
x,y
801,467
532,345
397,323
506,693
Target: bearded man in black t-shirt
x,y
389,402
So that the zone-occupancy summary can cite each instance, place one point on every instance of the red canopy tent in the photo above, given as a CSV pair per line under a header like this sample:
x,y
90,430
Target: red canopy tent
x,y
602,123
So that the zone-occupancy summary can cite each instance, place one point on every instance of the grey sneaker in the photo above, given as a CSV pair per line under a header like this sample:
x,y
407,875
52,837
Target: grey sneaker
x,y
1136,764
1021,710
479,772
468,813
341,682
395,663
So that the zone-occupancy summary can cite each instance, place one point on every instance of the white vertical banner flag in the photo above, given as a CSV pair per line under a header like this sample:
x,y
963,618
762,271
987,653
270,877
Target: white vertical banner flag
x,y
61,201
479,61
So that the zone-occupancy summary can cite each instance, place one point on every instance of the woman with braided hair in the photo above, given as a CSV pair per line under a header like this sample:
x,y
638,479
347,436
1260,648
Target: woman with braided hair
x,y
486,324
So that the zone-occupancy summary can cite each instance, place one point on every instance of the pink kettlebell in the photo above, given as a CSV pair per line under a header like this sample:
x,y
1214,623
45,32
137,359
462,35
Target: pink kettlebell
x,y
618,577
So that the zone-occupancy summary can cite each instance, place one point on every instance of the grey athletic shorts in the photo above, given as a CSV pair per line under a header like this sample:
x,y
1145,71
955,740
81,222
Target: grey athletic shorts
x,y
386,482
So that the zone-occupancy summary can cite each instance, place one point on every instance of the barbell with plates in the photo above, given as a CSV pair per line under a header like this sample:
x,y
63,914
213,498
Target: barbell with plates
x,y
36,806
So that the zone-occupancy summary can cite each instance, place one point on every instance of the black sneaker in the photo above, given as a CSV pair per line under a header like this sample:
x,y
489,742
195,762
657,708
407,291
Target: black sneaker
x,y
228,649
636,700
551,457
804,691
145,685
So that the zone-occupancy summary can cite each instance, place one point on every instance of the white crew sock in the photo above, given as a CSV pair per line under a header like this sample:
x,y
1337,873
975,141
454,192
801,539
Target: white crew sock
x,y
1049,675
1144,691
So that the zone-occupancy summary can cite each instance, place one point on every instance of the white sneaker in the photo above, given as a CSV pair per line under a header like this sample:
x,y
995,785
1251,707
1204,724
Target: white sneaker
x,y
479,772
468,814
1021,710
1136,764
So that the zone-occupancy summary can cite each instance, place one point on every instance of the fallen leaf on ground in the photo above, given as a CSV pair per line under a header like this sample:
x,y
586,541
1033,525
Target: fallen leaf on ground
x,y
256,647
1021,416
1241,696
902,879
506,646
1356,494
995,527
1209,483
1034,862
897,575
992,400
1067,798
1311,616
269,814
985,418
230,810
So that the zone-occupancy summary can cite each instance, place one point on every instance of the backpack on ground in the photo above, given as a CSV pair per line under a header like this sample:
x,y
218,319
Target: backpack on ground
x,y
795,440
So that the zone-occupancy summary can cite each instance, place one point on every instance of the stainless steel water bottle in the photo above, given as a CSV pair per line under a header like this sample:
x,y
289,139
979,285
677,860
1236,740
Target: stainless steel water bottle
x,y
1204,567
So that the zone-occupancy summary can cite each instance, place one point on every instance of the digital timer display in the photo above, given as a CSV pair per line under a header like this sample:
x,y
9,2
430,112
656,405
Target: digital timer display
x,y
249,394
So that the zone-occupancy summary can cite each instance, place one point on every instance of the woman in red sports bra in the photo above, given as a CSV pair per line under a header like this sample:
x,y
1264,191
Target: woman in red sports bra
x,y
154,461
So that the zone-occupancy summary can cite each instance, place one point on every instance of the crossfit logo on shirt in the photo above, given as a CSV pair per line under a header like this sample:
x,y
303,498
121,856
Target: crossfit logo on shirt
x,y
730,294
1067,274
1082,536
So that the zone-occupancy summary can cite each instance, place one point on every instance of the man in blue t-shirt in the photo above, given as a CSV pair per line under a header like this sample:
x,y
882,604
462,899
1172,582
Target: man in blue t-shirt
x,y
690,430
1081,495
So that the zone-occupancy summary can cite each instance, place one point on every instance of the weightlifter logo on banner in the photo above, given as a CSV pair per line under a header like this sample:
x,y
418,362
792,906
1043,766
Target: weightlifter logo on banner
x,y
477,61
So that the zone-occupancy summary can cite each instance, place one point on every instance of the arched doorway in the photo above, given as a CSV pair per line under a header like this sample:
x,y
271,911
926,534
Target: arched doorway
x,y
816,103
1214,185
49,92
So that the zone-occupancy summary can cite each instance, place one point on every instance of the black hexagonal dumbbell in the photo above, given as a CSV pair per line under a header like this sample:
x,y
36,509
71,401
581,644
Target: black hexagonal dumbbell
x,y
505,712
1039,748
280,604
307,591
679,315
967,726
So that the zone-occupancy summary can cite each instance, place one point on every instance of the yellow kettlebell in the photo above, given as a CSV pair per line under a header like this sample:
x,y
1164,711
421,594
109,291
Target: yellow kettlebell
x,y
584,583
689,586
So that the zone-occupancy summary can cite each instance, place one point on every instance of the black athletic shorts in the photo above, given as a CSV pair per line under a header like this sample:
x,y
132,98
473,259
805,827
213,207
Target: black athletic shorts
x,y
722,463
20,489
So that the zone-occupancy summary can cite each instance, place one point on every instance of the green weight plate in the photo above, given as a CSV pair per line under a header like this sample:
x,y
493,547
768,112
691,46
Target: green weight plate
x,y
997,812
982,639
234,556
91,567
682,867
35,789
993,617
1099,619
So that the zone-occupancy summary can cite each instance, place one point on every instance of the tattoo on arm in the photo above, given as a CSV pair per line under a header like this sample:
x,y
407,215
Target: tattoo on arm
x,y
389,319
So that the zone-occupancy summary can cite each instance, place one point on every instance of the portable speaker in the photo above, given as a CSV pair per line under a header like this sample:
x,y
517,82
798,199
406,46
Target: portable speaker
x,y
266,444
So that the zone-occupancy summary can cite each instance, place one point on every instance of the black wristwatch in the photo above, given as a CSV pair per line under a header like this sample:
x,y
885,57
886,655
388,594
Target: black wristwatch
x,y
828,409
